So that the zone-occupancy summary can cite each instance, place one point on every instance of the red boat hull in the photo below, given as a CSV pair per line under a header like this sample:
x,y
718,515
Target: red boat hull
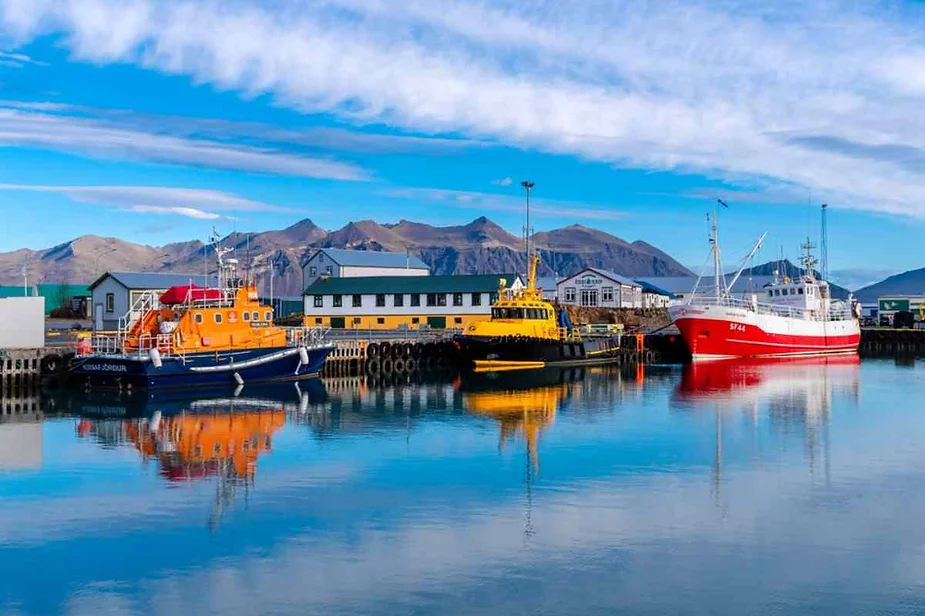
x,y
716,338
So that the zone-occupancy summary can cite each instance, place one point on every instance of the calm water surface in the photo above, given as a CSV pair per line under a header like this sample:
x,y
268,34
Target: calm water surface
x,y
758,489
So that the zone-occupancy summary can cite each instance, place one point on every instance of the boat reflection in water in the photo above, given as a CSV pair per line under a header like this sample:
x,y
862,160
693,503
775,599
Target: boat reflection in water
x,y
218,437
795,393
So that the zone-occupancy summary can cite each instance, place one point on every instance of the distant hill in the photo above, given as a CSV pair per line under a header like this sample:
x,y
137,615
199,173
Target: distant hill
x,y
481,246
786,268
907,283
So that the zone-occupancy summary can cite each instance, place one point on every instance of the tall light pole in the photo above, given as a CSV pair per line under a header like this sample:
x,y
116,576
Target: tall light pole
x,y
528,186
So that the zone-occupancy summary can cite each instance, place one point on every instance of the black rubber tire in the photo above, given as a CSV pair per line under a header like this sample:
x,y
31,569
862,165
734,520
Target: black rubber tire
x,y
397,350
67,361
387,366
411,365
399,366
51,364
430,350
407,350
417,350
372,350
373,366
385,350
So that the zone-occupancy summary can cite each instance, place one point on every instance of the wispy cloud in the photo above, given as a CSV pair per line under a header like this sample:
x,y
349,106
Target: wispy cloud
x,y
18,60
688,85
80,135
488,202
194,203
503,181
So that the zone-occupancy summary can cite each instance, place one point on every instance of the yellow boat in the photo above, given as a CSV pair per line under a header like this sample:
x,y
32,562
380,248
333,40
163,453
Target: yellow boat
x,y
526,331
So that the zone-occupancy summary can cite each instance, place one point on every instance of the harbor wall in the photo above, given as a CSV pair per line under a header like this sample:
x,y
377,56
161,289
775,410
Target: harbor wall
x,y
22,322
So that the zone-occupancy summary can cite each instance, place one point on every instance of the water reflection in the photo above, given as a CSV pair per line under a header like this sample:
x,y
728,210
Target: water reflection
x,y
552,492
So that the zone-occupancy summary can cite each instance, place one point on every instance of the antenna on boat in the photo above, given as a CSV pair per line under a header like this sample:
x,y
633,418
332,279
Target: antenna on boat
x,y
825,242
718,277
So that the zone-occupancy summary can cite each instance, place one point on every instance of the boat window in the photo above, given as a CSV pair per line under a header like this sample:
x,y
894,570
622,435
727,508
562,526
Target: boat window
x,y
198,317
255,316
268,315
246,316
800,291
776,292
770,293
218,318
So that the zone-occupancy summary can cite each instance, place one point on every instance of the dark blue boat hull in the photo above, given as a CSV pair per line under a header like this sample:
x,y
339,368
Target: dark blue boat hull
x,y
209,369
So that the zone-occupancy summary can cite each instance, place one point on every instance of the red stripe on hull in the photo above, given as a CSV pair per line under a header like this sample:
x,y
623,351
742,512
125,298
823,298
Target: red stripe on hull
x,y
708,338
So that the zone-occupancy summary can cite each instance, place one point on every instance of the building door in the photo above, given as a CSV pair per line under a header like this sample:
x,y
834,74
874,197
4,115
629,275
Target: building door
x,y
436,322
589,297
98,317
338,322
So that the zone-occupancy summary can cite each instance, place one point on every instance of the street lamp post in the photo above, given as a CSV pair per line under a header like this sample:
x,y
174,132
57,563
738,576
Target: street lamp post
x,y
528,186
98,256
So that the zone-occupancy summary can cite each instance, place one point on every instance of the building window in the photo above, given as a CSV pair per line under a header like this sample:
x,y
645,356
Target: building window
x,y
318,320
329,270
457,299
320,257
246,316
110,302
415,299
380,300
441,299
415,320
492,298
357,301
319,301
380,321
476,299
356,320
338,301
457,320
398,300
313,271
607,294
570,294
431,299
198,317
218,318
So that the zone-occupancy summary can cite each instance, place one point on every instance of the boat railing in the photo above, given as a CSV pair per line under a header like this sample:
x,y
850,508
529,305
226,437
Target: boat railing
x,y
306,336
140,347
838,311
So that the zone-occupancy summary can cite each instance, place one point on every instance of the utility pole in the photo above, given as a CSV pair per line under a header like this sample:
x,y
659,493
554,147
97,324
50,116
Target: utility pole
x,y
528,186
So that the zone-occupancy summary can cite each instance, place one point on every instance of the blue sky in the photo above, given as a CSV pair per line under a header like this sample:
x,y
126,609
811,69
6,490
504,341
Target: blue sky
x,y
152,121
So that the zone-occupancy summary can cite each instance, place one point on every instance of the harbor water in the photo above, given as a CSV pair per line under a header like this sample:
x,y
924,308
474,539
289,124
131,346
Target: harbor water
x,y
744,488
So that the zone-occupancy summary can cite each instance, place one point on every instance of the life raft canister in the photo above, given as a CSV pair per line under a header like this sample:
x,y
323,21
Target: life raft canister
x,y
232,317
84,347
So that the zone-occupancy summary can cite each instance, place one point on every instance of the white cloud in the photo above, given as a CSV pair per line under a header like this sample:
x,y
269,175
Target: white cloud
x,y
201,204
18,60
503,181
85,136
717,88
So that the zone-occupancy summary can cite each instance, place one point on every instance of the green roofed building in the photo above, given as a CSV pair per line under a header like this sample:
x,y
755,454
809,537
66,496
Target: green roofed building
x,y
398,302
74,297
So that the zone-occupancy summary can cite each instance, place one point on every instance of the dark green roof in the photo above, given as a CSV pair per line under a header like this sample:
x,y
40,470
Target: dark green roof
x,y
371,285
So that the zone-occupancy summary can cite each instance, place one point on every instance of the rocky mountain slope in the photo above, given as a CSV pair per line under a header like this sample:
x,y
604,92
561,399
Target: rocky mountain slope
x,y
478,247
907,283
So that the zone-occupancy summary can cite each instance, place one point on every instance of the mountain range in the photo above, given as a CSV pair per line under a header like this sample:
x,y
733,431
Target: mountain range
x,y
481,246
788,269
905,284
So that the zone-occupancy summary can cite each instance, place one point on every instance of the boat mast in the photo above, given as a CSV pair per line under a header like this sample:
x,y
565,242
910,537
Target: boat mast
x,y
528,186
825,242
717,260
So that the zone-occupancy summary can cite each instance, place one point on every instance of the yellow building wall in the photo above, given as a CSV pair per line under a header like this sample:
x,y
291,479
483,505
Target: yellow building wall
x,y
410,321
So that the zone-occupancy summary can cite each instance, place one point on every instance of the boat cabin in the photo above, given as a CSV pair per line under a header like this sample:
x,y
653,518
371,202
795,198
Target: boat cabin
x,y
806,293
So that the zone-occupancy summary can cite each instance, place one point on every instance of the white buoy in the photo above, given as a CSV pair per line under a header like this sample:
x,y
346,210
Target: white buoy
x,y
238,390
155,358
238,379
303,355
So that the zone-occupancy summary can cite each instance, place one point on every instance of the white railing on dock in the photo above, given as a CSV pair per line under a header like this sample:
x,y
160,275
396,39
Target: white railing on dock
x,y
837,312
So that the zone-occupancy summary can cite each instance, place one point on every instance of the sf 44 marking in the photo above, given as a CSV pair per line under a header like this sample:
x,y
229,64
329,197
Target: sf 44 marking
x,y
736,327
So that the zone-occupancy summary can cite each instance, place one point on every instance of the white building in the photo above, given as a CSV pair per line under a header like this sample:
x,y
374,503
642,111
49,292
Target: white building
x,y
403,302
654,296
114,293
339,263
22,323
594,287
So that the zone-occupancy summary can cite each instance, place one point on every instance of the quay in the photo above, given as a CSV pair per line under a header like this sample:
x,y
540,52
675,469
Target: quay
x,y
888,342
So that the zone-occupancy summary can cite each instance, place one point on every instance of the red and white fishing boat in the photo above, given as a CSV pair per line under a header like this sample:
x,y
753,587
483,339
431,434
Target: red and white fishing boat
x,y
787,317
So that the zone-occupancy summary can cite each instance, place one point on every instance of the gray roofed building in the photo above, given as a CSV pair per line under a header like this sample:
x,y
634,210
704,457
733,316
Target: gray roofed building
x,y
373,258
153,281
